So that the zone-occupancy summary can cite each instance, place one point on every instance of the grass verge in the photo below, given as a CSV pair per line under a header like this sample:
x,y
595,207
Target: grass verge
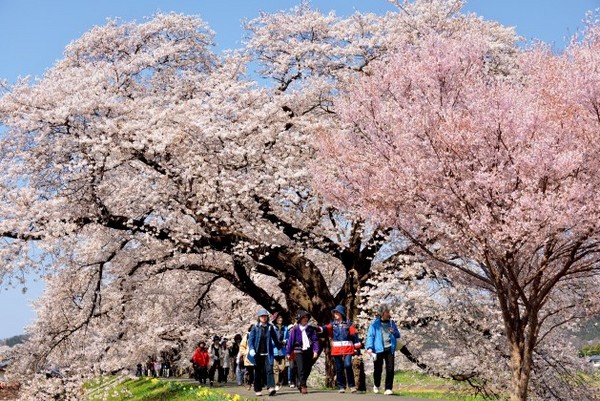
x,y
150,389
420,385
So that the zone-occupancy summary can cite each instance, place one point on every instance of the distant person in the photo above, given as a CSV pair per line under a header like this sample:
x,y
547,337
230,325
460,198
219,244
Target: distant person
x,y
381,341
343,346
279,369
236,366
200,361
225,361
214,352
149,367
139,371
262,343
302,349
292,372
248,365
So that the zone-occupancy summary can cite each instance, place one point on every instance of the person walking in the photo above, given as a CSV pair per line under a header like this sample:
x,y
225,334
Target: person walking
x,y
214,353
292,371
343,345
381,341
302,349
225,361
200,360
262,342
279,368
243,356
238,365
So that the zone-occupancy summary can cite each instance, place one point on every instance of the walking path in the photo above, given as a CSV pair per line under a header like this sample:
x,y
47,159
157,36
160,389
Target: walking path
x,y
289,394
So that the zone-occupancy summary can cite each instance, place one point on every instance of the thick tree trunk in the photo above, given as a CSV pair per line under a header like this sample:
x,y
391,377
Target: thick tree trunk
x,y
521,361
329,371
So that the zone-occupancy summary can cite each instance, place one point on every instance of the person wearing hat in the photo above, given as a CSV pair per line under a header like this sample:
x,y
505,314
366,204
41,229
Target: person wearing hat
x,y
279,364
344,342
381,340
303,348
215,355
262,343
200,360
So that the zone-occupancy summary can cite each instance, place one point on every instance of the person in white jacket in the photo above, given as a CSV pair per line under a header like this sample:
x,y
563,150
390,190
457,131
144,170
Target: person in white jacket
x,y
215,360
225,361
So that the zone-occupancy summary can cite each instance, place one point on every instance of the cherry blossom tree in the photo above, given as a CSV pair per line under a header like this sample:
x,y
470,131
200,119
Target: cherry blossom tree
x,y
169,190
493,176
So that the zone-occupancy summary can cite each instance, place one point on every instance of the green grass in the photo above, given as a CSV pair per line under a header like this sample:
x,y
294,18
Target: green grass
x,y
147,389
420,385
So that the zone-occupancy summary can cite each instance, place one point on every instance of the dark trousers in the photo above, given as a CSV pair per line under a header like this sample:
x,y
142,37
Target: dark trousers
x,y
304,363
249,375
200,373
264,373
214,367
223,373
388,357
343,371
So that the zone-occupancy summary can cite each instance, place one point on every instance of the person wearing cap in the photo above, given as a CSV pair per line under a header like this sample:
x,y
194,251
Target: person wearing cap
x,y
303,348
200,360
381,340
215,355
344,342
279,363
262,343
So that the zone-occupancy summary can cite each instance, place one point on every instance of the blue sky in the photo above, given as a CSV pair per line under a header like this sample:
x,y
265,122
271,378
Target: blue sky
x,y
33,34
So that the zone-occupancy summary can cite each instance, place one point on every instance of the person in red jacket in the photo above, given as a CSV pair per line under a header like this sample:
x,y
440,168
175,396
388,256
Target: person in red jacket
x,y
343,345
200,362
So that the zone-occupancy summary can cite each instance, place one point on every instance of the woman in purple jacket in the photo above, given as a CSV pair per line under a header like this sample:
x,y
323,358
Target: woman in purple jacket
x,y
303,348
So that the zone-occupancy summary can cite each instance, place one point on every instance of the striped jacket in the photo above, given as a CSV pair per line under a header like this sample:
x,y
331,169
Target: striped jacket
x,y
344,340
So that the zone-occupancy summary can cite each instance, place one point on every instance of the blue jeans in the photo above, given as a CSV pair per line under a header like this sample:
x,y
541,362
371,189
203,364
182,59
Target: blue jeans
x,y
343,371
239,374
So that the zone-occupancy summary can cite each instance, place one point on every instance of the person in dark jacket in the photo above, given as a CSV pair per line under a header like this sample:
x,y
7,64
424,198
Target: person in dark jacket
x,y
303,348
216,356
262,343
381,341
234,353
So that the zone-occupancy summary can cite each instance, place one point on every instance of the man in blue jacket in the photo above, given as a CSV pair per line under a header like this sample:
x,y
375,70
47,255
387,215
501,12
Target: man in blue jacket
x,y
381,340
262,342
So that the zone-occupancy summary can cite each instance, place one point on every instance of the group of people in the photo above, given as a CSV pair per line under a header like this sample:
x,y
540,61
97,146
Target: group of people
x,y
271,351
219,358
154,368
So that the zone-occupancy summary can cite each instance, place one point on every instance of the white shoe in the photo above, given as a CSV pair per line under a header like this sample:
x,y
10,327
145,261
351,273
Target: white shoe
x,y
292,386
277,388
375,389
388,392
341,390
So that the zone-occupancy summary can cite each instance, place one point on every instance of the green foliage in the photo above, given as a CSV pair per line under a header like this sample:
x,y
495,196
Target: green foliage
x,y
590,350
